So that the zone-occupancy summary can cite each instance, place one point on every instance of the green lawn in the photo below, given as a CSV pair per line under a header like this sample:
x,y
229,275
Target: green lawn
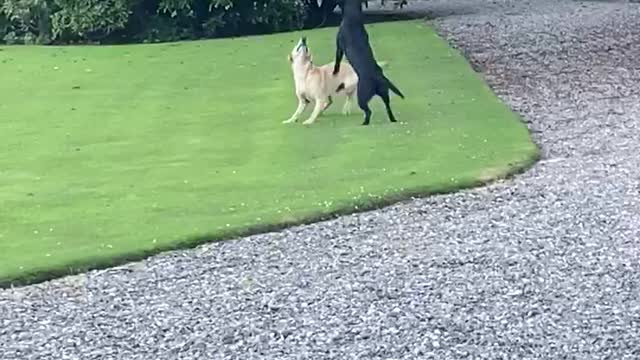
x,y
114,153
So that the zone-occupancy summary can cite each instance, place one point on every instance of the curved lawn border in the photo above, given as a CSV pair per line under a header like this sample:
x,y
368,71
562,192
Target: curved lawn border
x,y
487,175
82,267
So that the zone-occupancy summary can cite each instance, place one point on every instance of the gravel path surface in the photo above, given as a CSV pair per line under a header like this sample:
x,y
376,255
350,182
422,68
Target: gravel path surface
x,y
544,266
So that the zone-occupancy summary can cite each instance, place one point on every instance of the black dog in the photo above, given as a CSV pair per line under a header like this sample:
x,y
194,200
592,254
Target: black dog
x,y
353,41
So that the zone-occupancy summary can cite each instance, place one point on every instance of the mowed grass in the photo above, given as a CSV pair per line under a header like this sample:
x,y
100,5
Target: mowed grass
x,y
114,153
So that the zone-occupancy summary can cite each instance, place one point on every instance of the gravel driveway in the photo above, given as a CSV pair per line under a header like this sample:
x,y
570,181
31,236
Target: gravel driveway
x,y
544,266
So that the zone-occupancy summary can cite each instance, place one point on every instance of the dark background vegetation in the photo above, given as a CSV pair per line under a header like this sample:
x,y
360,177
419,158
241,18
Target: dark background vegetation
x,y
129,21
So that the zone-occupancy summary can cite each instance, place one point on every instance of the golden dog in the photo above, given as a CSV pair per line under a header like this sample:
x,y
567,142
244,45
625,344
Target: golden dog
x,y
317,83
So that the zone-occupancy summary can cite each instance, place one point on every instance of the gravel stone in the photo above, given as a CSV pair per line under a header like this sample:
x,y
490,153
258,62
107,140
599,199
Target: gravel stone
x,y
542,266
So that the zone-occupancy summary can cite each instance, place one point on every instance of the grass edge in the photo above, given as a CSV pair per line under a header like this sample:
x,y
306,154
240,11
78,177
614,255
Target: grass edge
x,y
31,278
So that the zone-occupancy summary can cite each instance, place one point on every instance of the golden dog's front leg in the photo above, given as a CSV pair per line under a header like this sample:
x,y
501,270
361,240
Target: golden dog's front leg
x,y
316,111
302,104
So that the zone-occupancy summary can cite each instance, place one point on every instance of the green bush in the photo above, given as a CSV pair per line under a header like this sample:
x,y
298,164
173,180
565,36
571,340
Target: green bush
x,y
108,21
4,26
25,21
215,18
91,20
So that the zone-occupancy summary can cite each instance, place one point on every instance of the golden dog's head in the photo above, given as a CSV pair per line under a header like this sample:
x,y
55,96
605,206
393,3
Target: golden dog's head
x,y
300,52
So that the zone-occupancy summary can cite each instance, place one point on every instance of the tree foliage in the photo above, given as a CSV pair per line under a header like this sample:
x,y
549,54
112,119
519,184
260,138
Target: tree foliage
x,y
107,21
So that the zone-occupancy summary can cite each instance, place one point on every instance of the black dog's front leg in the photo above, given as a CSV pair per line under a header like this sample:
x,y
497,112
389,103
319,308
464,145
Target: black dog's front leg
x,y
339,55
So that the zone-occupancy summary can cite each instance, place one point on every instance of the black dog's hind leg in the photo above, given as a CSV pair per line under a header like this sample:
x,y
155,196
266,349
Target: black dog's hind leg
x,y
365,92
363,103
367,112
387,104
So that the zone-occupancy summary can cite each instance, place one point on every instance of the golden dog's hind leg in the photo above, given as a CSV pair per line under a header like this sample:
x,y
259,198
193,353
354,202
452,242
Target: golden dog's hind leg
x,y
302,104
346,109
316,111
329,102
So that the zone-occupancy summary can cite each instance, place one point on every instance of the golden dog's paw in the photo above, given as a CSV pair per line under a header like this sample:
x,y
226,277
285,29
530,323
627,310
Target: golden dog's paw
x,y
288,121
308,122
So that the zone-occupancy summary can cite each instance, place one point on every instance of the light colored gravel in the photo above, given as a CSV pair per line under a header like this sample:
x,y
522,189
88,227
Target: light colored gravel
x,y
544,266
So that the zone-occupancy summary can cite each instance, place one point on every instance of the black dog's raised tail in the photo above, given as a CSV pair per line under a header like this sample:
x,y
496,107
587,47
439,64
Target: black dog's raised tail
x,y
393,87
